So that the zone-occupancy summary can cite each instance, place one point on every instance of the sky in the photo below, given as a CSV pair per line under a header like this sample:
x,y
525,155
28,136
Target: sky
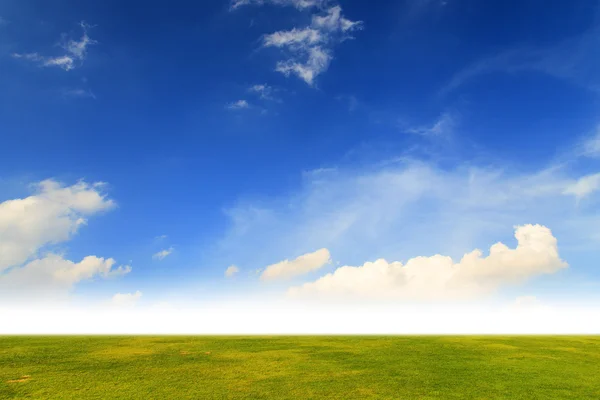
x,y
291,165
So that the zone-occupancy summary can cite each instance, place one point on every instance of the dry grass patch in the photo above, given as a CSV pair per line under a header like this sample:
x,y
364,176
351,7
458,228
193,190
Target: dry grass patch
x,y
22,379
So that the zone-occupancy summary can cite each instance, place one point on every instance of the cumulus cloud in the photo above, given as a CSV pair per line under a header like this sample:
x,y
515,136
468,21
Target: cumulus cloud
x,y
126,299
54,275
76,52
402,208
28,226
311,47
52,215
161,255
231,271
238,105
439,277
302,265
584,186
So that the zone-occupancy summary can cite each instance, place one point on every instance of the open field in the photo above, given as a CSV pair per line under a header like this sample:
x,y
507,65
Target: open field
x,y
305,367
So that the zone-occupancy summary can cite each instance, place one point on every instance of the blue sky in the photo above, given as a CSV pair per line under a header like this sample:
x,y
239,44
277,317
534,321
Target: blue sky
x,y
251,132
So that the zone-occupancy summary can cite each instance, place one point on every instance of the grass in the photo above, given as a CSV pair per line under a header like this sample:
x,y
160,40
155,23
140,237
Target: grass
x,y
303,367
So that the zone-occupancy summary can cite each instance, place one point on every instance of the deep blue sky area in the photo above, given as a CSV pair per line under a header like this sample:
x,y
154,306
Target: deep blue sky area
x,y
159,105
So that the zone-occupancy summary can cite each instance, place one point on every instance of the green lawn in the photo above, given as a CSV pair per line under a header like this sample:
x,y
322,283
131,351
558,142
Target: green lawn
x,y
304,367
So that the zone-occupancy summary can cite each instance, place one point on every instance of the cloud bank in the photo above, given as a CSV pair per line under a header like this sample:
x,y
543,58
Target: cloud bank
x,y
404,209
439,277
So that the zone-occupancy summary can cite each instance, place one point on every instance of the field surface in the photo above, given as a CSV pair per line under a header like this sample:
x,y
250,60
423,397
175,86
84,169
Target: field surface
x,y
327,367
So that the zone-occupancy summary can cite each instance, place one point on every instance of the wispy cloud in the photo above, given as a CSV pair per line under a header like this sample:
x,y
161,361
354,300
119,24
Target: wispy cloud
x,y
584,186
591,146
79,93
161,255
572,59
238,105
264,92
299,4
442,127
76,52
310,48
407,208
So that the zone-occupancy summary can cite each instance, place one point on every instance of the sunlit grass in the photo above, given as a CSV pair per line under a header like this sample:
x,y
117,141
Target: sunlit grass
x,y
304,367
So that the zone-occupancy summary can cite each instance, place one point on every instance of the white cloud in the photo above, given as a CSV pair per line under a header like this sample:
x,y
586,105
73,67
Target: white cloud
x,y
297,39
443,127
126,299
438,277
231,271
591,147
299,4
318,62
311,47
161,255
76,52
238,105
302,265
333,21
403,209
264,91
53,275
80,93
52,215
584,186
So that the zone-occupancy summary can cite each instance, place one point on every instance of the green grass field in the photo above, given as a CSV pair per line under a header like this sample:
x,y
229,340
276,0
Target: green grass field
x,y
522,367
